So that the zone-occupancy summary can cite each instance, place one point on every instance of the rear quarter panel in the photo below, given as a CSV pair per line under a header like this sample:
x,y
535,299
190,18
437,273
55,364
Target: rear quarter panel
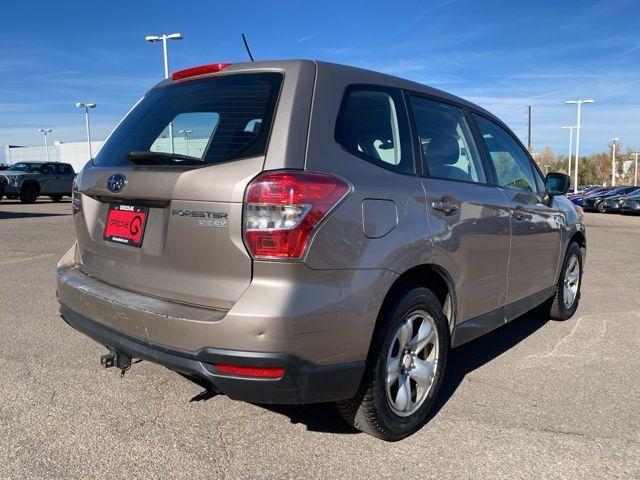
x,y
357,234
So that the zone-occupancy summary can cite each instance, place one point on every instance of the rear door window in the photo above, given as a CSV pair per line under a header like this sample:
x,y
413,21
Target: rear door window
x,y
197,122
373,125
446,141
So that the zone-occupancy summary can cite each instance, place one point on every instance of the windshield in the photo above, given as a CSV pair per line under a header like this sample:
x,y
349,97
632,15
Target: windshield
x,y
197,122
21,167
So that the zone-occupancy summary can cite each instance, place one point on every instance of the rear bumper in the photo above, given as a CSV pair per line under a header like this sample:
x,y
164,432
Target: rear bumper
x,y
303,382
317,324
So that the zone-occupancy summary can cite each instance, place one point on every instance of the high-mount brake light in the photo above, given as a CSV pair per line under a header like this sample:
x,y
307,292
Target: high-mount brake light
x,y
201,70
283,208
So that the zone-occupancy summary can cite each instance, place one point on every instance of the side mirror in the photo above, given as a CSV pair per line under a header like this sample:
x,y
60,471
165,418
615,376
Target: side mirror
x,y
557,184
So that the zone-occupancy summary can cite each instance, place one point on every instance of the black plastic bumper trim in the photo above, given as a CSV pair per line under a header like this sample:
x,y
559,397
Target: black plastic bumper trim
x,y
302,383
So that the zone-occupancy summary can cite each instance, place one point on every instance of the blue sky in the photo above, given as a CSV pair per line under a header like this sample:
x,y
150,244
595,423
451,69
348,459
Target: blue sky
x,y
503,55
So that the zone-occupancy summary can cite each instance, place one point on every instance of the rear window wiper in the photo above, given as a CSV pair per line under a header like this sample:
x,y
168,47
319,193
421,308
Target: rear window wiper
x,y
162,158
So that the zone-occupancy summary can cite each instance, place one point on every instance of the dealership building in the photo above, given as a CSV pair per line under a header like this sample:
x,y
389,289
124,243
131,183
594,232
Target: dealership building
x,y
77,153
74,153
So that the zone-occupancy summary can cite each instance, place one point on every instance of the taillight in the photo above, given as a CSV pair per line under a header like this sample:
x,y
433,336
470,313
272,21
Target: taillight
x,y
76,199
283,208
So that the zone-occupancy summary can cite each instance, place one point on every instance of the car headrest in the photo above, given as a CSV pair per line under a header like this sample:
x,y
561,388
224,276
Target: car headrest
x,y
443,150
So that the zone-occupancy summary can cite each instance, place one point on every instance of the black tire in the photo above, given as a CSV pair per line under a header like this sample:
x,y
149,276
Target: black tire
x,y
55,198
370,411
555,306
29,194
601,208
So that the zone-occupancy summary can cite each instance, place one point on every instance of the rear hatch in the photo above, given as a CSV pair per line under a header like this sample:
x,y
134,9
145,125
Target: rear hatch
x,y
180,162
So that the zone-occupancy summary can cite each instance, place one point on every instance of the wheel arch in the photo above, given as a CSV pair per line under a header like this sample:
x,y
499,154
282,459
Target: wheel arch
x,y
580,238
431,276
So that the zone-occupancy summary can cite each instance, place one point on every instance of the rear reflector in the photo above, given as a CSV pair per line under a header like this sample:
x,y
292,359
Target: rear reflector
x,y
201,70
262,372
283,208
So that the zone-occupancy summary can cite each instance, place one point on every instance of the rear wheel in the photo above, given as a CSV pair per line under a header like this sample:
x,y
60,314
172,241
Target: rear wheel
x,y
565,302
29,194
55,198
405,369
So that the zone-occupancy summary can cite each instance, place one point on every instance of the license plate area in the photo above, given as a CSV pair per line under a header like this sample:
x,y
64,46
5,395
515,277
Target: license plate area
x,y
125,224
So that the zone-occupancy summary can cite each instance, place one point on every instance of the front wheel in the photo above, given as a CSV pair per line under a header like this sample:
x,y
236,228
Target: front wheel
x,y
29,194
565,301
55,198
404,371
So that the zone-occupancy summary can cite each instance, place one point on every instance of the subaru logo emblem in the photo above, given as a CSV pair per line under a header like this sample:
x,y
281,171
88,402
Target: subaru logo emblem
x,y
116,182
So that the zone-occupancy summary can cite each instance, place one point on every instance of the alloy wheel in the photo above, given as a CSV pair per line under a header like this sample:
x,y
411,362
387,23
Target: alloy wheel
x,y
571,281
412,363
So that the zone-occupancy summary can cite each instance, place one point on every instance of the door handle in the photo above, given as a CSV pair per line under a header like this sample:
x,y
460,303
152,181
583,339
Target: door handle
x,y
518,213
445,206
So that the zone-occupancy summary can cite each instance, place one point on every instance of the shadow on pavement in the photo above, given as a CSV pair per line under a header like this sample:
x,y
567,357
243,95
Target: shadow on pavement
x,y
470,356
324,417
6,215
41,200
461,361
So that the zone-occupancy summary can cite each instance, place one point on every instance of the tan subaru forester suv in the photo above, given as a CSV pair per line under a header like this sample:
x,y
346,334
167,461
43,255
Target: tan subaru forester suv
x,y
301,232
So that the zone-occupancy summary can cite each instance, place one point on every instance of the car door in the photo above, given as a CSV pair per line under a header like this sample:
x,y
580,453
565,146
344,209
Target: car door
x,y
64,179
47,179
535,221
469,218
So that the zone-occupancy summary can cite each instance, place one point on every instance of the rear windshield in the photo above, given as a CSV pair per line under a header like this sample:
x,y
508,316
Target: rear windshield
x,y
196,122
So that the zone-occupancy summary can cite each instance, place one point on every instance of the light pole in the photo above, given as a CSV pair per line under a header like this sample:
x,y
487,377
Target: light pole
x,y
186,138
547,165
570,149
635,170
163,38
614,144
86,107
46,142
578,127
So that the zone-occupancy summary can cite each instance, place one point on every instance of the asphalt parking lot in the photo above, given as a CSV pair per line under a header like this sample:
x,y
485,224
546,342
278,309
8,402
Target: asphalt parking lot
x,y
534,399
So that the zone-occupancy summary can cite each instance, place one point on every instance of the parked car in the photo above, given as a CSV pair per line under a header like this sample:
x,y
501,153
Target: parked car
x,y
4,167
612,204
630,204
28,180
331,234
594,202
582,191
578,198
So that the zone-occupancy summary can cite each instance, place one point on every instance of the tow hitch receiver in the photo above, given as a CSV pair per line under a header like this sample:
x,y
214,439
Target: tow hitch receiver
x,y
116,359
